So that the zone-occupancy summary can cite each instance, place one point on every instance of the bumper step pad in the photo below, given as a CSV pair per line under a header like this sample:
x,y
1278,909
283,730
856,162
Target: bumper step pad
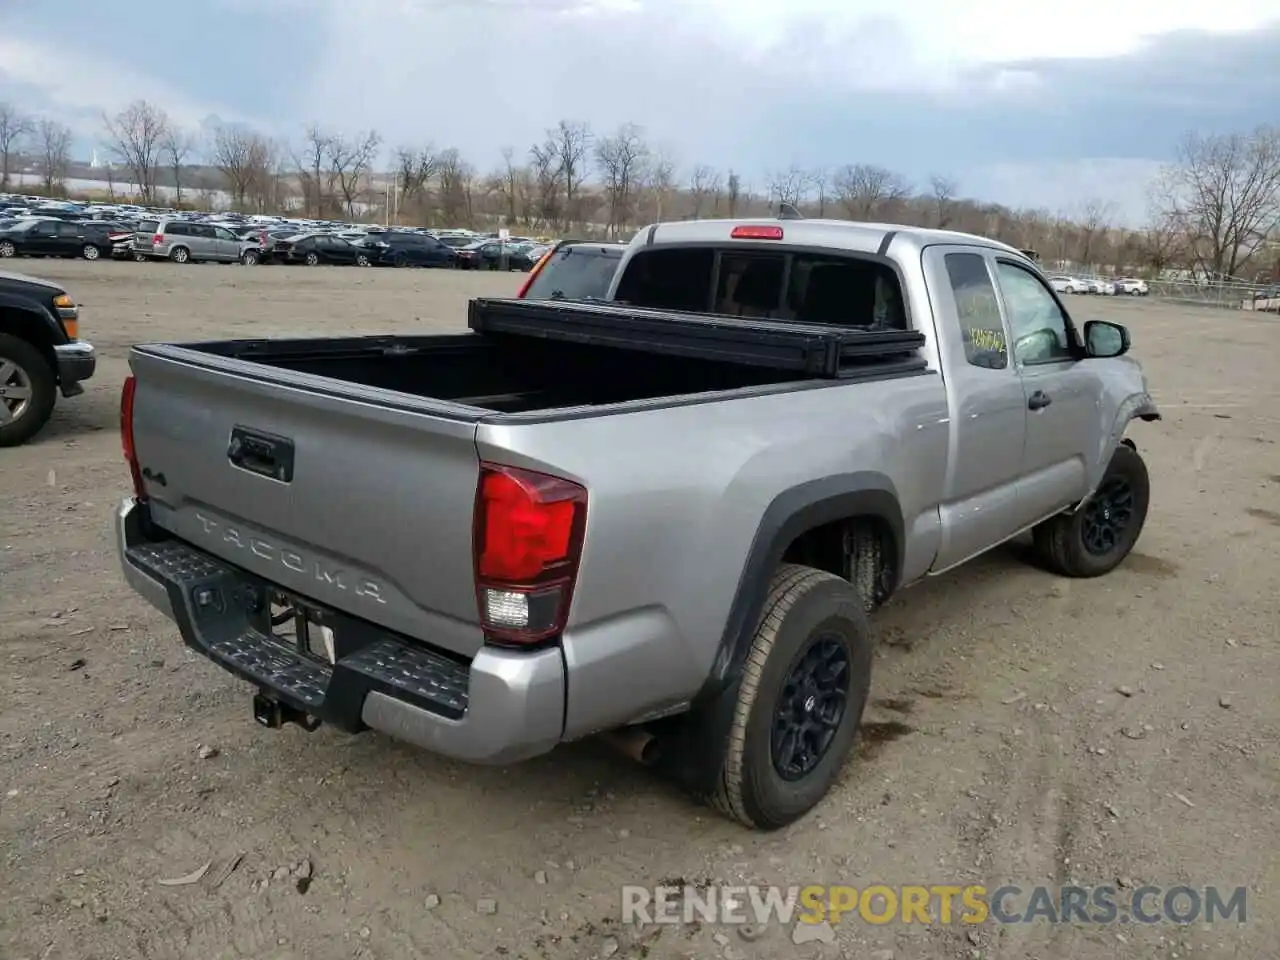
x,y
219,609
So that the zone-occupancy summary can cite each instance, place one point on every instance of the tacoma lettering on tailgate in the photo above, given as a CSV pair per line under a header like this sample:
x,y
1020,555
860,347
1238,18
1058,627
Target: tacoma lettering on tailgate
x,y
334,578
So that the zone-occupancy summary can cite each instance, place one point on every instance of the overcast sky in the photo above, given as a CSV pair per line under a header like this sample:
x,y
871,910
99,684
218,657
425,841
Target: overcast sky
x,y
1022,103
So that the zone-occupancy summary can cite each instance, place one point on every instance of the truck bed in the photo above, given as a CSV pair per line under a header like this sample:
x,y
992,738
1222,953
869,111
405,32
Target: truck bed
x,y
525,356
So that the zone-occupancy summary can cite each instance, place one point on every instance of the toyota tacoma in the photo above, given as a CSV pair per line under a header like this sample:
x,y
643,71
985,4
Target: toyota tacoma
x,y
665,518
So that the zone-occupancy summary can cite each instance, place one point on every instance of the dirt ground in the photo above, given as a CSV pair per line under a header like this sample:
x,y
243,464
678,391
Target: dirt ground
x,y
1025,729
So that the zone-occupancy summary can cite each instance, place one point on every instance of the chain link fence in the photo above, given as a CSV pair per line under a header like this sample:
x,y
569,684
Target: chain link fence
x,y
1224,296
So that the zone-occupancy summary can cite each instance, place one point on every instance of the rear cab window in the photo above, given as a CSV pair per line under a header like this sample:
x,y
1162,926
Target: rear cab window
x,y
830,288
978,309
576,272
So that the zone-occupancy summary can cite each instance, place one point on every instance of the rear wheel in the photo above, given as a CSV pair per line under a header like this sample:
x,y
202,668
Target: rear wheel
x,y
800,700
312,259
27,390
90,252
1097,537
180,255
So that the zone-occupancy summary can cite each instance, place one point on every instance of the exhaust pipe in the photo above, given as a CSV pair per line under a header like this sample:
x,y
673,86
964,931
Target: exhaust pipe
x,y
636,742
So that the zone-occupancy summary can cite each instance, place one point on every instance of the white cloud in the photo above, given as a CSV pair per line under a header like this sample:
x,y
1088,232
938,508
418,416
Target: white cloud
x,y
81,85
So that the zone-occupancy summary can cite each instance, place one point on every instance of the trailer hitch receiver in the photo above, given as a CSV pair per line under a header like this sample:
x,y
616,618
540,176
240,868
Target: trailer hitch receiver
x,y
274,714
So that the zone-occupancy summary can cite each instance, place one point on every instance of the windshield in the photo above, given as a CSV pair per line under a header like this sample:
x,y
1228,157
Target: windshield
x,y
575,273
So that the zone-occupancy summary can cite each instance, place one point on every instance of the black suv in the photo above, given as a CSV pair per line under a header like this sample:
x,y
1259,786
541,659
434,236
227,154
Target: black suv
x,y
51,237
41,354
402,249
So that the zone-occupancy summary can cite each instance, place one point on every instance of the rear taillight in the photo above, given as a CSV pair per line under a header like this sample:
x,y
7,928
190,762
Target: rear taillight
x,y
533,275
157,239
528,540
126,435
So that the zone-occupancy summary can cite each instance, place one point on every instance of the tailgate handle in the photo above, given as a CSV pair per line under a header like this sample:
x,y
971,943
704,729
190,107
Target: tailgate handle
x,y
261,453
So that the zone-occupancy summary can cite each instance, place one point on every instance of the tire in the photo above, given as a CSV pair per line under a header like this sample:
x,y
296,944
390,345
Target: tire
x,y
140,258
90,251
362,260
23,366
180,255
806,612
312,259
1070,543
7,249
249,258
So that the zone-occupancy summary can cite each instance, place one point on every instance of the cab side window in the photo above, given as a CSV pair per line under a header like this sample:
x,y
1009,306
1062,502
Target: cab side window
x,y
978,308
1036,322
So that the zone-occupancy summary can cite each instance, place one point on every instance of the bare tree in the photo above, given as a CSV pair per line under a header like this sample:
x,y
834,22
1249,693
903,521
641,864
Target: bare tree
x,y
734,193
819,186
176,145
1225,192
942,201
310,163
621,160
349,161
867,192
15,128
54,143
570,143
704,188
660,182
415,169
547,182
507,184
234,156
136,135
455,176
1091,228
792,185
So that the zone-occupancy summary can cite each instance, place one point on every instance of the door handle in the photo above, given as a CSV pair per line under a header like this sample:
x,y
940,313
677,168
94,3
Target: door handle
x,y
1038,400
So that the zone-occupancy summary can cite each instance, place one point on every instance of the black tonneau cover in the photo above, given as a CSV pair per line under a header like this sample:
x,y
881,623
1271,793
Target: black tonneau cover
x,y
811,350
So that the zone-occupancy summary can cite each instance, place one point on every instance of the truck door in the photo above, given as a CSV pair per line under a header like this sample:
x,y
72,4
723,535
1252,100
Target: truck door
x,y
1061,395
986,401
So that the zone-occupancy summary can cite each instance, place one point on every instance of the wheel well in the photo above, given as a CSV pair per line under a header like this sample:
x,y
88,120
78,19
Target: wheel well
x,y
27,326
861,549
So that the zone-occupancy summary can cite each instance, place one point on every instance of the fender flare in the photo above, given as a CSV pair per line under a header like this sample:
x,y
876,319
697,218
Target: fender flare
x,y
791,513
40,312
1138,406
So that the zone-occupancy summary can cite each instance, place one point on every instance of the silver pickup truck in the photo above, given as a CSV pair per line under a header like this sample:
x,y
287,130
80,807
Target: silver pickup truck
x,y
664,518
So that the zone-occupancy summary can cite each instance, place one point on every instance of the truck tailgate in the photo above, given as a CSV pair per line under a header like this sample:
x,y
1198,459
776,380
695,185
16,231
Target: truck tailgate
x,y
362,506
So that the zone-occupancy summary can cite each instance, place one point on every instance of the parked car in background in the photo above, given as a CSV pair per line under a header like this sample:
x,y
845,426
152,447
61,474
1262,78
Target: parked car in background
x,y
1132,286
399,248
573,270
184,241
313,249
41,354
54,237
1068,285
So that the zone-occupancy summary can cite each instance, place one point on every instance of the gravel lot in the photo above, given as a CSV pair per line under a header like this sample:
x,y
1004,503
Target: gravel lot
x,y
1025,729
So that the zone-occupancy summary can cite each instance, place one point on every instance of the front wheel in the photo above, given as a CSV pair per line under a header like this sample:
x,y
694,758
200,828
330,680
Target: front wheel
x,y
1096,538
362,260
7,249
27,390
249,258
800,701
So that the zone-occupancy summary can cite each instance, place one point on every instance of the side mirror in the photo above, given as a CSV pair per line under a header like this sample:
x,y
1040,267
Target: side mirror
x,y
1104,339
